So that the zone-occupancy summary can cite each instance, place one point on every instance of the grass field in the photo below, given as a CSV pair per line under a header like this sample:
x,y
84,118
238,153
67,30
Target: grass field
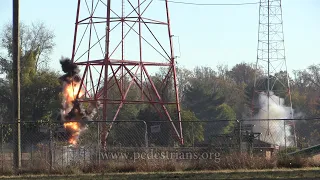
x,y
310,173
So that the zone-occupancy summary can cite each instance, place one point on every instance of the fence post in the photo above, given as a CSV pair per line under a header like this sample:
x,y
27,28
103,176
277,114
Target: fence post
x,y
54,148
84,156
146,134
31,154
2,141
50,148
240,136
67,161
192,134
98,143
62,156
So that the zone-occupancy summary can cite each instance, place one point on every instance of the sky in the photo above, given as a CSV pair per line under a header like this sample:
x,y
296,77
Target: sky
x,y
208,35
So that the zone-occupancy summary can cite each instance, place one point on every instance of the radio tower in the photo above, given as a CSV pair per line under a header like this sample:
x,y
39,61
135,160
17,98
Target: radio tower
x,y
271,79
120,44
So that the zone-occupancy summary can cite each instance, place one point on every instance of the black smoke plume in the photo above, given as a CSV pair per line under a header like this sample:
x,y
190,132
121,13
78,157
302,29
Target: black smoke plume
x,y
71,71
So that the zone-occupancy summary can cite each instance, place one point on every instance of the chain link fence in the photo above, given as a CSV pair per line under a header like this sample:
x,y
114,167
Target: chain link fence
x,y
47,145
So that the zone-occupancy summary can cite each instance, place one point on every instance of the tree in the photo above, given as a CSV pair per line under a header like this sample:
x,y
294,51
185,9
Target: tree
x,y
225,112
183,76
306,101
40,87
39,100
6,101
201,87
193,130
242,73
163,137
36,37
204,96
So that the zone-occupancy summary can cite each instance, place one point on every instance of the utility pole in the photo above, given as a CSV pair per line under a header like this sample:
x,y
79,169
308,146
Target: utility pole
x,y
16,87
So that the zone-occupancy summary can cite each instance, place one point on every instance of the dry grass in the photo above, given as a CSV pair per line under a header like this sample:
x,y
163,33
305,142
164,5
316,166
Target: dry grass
x,y
297,162
230,162
309,173
233,161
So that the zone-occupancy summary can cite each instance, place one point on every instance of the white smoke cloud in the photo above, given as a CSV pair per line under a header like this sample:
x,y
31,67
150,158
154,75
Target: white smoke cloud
x,y
274,131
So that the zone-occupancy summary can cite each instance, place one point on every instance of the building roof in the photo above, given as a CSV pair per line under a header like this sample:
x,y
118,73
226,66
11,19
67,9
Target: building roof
x,y
261,144
307,151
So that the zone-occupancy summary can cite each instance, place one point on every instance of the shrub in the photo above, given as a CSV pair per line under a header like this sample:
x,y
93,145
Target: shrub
x,y
286,161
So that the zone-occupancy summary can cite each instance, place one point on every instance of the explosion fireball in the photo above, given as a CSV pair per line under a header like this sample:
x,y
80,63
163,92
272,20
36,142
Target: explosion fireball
x,y
75,127
72,114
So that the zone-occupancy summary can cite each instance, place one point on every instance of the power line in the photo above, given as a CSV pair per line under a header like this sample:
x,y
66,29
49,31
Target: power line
x,y
212,4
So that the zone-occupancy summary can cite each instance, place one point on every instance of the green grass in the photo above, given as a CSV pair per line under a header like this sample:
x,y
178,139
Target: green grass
x,y
226,174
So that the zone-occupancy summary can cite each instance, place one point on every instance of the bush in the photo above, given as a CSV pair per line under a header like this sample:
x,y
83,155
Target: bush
x,y
286,161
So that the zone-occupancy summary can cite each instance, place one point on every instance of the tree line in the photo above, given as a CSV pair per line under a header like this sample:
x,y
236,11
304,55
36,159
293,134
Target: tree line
x,y
206,94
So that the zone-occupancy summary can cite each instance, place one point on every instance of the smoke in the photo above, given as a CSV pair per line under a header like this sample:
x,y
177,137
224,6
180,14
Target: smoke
x,y
274,131
70,84
73,114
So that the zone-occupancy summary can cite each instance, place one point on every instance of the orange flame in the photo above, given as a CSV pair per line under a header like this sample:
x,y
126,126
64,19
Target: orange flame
x,y
72,125
70,94
75,127
71,90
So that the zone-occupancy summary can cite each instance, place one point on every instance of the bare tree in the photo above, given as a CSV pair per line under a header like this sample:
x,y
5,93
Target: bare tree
x,y
34,37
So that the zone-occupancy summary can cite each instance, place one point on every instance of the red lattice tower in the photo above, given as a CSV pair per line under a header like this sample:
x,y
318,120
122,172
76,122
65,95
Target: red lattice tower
x,y
118,40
